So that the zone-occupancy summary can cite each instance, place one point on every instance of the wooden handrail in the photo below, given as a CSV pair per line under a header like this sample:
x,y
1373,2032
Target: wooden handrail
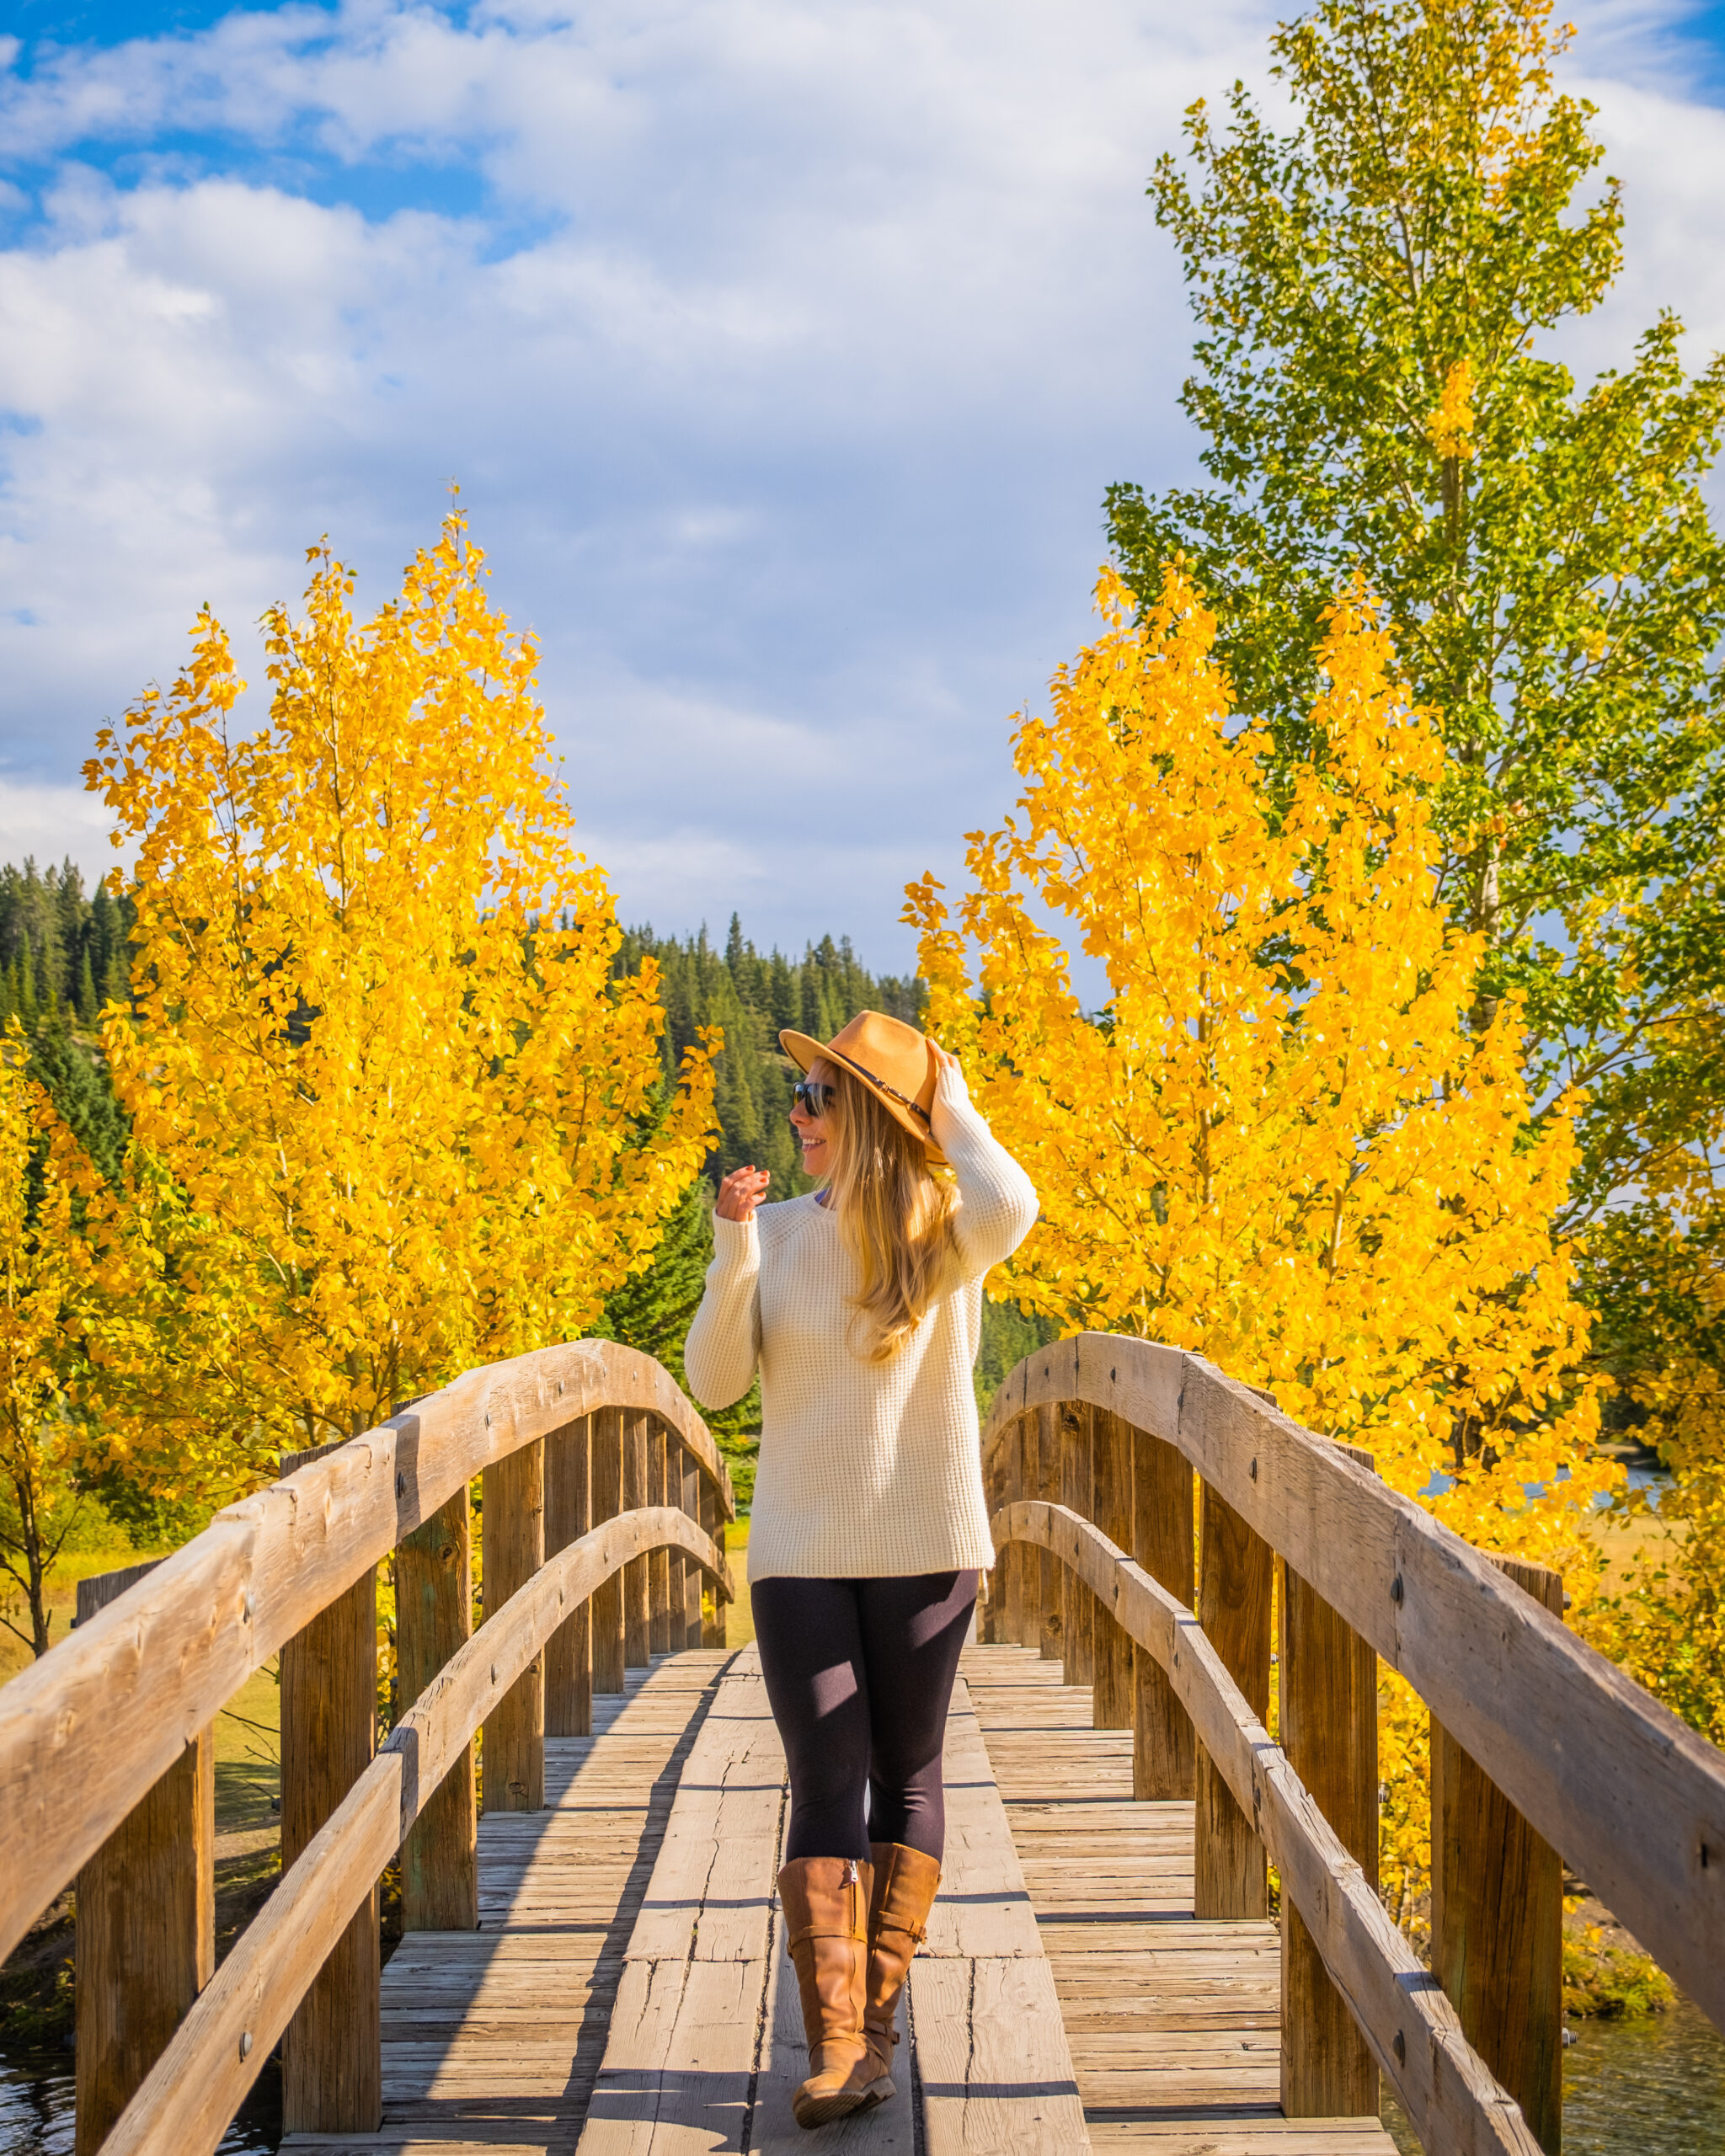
x,y
1414,2030
186,2105
1633,1798
87,1731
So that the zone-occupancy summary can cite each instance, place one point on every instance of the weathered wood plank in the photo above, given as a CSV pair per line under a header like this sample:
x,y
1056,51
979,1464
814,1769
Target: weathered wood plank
x,y
1077,1603
1236,1574
145,1938
1164,1541
434,1618
1498,1914
992,2060
1329,1731
606,1609
513,1771
331,2069
660,1492
1112,1510
568,1515
638,1648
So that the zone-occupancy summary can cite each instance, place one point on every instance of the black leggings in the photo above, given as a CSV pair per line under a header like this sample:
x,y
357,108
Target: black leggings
x,y
859,1673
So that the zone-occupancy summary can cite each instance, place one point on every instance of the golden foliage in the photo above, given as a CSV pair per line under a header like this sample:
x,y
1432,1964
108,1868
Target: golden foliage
x,y
1450,426
1278,1144
45,1286
391,1117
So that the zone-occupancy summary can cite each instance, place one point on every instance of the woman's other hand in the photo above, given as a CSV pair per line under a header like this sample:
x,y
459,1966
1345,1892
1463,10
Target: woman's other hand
x,y
740,1192
951,1072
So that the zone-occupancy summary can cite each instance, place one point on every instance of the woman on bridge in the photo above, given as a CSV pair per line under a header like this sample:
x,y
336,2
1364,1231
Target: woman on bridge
x,y
861,1305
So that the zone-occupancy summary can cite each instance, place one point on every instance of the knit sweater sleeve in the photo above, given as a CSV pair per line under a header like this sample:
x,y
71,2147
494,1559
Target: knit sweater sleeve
x,y
723,1345
998,1203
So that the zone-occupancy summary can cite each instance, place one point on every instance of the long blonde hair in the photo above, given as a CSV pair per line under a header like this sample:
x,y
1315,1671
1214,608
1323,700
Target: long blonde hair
x,y
893,1214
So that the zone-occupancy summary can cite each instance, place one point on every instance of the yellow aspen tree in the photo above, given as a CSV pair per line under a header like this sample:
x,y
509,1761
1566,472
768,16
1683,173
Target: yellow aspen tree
x,y
1277,1143
391,1118
45,1444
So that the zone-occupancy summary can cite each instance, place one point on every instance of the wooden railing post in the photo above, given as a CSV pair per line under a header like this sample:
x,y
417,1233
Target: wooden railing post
x,y
1015,1557
568,1515
1329,1730
434,1616
145,1920
691,1571
1498,1915
659,1638
332,2057
1050,1572
1164,1543
606,1608
513,1540
637,1636
713,1630
1111,1454
674,1558
1077,1603
1236,1584
990,1586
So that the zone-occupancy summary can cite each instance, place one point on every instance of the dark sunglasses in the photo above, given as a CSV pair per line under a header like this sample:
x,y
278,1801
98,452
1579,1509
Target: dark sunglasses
x,y
810,1097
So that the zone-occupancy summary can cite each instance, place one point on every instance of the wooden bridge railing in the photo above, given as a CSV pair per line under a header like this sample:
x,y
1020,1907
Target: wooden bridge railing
x,y
1539,1745
604,1509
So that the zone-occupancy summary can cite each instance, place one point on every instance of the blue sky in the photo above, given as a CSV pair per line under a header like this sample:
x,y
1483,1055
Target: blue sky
x,y
782,349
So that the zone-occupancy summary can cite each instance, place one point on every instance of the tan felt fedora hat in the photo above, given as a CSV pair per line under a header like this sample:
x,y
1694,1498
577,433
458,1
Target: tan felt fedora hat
x,y
893,1059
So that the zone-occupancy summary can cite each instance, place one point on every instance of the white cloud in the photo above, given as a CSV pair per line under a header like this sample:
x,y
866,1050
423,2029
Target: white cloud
x,y
55,823
782,348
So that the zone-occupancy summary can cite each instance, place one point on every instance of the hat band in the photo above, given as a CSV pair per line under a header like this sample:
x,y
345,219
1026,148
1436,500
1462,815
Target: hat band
x,y
903,1098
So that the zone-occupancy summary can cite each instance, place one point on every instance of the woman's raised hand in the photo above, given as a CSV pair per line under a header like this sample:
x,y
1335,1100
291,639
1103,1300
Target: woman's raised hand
x,y
740,1192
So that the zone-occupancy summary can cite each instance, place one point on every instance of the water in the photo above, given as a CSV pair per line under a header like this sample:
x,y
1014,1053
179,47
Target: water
x,y
36,2109
1652,2088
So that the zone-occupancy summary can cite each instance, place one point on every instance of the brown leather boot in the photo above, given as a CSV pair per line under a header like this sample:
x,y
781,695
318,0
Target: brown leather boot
x,y
825,1902
905,1883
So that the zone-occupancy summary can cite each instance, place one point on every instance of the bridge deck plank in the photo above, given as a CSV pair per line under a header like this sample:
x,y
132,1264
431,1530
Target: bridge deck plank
x,y
1173,2026
491,2039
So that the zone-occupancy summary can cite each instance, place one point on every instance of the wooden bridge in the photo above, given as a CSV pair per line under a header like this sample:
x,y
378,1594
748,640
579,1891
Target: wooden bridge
x,y
591,1958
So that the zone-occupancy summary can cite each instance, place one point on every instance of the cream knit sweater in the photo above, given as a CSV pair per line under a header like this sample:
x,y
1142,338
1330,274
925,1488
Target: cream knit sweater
x,y
867,1469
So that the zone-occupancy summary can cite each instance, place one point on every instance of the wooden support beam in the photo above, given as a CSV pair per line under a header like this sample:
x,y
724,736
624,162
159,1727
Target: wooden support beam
x,y
146,1932
1077,1603
569,1515
658,1639
513,1539
1015,1559
331,2055
1164,1759
607,1606
1051,1594
637,1636
712,1628
691,1572
1329,1731
1236,1585
1498,1914
434,1618
991,1585
1111,1455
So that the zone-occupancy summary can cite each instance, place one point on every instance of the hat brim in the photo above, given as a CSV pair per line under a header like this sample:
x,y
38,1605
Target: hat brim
x,y
803,1051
